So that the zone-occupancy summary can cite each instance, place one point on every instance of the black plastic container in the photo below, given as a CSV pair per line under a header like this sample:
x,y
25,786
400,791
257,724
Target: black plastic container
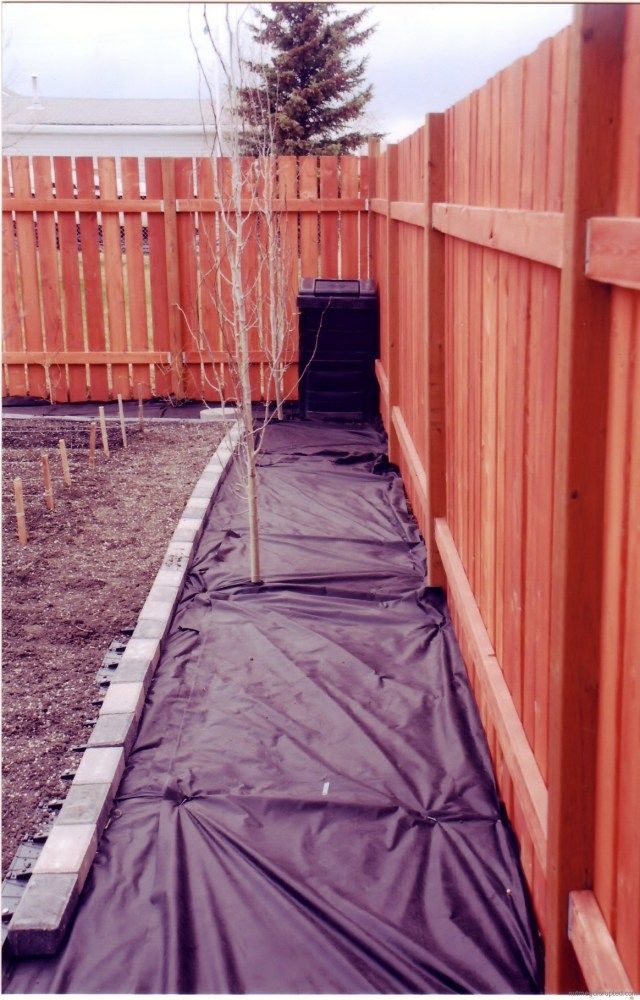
x,y
338,348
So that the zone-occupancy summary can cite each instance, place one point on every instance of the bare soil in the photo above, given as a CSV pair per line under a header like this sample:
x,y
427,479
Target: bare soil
x,y
82,577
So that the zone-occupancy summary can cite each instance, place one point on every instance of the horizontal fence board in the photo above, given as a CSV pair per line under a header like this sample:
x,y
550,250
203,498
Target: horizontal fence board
x,y
412,212
86,357
410,452
613,251
66,205
519,758
595,948
533,235
250,205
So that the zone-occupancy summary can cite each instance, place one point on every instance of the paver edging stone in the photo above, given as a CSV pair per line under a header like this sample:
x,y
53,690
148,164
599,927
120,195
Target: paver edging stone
x,y
42,916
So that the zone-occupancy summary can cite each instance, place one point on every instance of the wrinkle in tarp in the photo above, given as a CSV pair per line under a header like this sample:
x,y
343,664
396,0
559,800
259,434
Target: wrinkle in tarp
x,y
309,805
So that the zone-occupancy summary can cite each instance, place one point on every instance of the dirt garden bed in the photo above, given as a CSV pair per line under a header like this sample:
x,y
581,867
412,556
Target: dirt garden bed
x,y
82,578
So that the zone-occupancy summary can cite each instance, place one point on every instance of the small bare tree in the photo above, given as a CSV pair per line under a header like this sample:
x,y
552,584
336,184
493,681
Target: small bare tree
x,y
252,254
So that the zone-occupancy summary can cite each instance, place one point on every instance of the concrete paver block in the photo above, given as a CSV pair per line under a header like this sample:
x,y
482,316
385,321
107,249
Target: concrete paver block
x,y
217,413
196,509
87,804
42,916
100,765
177,555
151,628
69,849
135,670
204,490
160,601
124,699
114,730
142,649
187,531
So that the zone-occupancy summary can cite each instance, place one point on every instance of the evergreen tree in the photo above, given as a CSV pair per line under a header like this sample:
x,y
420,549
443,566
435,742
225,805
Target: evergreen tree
x,y
310,94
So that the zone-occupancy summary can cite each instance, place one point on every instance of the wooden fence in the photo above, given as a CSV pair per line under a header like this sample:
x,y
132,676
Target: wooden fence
x,y
106,284
505,239
506,244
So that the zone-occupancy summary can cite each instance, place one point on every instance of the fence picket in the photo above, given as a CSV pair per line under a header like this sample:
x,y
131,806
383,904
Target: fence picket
x,y
11,318
113,278
135,271
29,279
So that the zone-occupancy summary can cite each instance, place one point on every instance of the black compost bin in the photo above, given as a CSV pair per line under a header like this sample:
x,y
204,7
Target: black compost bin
x,y
338,348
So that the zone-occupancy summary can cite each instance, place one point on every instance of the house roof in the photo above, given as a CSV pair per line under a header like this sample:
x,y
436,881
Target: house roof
x,y
106,111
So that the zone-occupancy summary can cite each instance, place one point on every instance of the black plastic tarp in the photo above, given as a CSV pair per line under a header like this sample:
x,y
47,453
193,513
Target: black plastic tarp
x,y
309,806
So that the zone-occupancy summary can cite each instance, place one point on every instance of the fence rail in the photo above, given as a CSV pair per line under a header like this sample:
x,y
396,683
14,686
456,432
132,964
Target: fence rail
x,y
106,291
512,404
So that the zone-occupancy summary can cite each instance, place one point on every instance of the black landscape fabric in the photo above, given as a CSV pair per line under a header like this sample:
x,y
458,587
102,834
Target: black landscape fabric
x,y
309,807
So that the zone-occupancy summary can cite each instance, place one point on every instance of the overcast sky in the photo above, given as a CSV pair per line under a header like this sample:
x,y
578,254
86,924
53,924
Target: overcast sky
x,y
422,57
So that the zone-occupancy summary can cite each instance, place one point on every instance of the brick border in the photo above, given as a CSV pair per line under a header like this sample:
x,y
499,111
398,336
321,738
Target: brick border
x,y
42,916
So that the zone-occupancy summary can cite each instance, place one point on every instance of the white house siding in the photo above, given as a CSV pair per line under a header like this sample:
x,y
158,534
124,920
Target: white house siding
x,y
112,143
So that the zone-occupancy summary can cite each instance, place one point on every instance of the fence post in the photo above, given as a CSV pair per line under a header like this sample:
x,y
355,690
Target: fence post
x,y
434,183
392,325
173,274
596,56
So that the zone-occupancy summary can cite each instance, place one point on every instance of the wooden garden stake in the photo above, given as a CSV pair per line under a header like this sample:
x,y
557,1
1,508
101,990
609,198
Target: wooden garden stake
x,y
48,485
92,444
20,517
66,474
103,431
141,414
123,429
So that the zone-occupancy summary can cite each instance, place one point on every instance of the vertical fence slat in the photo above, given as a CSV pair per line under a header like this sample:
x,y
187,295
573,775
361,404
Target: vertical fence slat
x,y
364,221
158,277
207,276
308,187
434,191
50,281
71,289
135,269
188,286
390,301
627,927
29,278
113,279
11,310
287,185
329,220
92,278
172,268
349,220
596,56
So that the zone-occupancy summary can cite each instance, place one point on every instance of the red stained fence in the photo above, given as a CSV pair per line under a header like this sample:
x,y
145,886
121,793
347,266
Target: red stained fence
x,y
505,239
107,292
506,244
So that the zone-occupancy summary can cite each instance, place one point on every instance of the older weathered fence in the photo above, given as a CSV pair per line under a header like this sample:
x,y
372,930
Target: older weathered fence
x,y
96,305
505,239
506,242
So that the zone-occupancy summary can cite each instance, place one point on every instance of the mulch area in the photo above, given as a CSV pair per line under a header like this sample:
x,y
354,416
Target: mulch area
x,y
83,576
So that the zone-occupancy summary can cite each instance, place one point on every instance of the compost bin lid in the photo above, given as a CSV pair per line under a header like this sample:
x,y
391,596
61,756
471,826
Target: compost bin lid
x,y
332,288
